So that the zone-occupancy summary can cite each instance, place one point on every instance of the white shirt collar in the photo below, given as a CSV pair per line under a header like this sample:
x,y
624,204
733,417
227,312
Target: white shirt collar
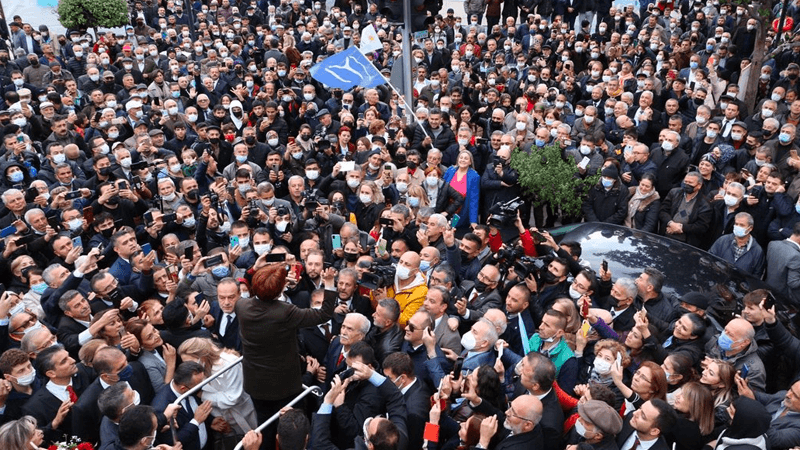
x,y
405,389
60,392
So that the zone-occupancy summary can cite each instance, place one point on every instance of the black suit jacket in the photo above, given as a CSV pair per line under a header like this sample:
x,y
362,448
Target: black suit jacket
x,y
43,406
67,333
359,304
418,404
627,430
231,340
313,343
331,366
188,433
86,415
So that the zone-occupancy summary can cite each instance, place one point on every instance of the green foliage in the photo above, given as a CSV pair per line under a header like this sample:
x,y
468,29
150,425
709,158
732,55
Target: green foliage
x,y
551,179
84,14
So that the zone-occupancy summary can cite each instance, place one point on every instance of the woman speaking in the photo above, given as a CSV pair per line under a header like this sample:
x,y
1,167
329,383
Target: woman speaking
x,y
268,326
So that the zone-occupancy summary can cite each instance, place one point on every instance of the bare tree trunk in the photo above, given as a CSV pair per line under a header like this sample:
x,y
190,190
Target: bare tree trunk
x,y
756,61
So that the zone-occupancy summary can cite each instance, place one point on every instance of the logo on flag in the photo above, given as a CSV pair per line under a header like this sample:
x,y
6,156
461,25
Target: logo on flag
x,y
347,69
370,41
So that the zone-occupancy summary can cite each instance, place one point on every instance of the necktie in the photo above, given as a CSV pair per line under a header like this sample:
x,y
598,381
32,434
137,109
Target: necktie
x,y
326,330
526,346
339,361
73,397
227,324
635,443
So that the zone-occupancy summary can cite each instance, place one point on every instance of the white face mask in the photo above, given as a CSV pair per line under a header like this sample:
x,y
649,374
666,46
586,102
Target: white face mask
x,y
260,249
403,272
468,341
601,366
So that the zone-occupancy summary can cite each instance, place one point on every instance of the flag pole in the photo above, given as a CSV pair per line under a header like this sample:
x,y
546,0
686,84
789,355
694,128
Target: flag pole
x,y
413,117
407,43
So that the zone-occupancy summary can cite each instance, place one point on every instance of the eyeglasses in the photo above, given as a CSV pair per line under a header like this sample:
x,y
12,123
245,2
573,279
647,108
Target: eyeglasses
x,y
511,413
484,278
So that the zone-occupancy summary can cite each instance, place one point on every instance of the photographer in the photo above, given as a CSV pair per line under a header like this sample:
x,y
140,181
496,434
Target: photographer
x,y
500,183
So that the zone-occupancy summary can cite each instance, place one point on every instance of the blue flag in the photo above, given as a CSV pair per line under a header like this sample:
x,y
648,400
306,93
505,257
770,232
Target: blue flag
x,y
347,69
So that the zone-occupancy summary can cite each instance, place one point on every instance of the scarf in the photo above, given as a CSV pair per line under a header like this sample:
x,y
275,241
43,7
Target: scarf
x,y
635,202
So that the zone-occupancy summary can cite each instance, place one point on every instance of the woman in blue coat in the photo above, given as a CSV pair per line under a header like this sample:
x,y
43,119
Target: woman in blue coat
x,y
464,179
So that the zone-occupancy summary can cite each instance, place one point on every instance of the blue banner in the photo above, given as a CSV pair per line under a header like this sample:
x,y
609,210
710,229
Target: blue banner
x,y
347,69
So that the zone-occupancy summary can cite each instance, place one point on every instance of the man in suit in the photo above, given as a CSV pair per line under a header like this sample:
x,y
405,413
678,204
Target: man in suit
x,y
125,245
436,303
75,328
349,299
399,368
645,425
538,373
783,265
619,300
784,408
519,426
481,296
193,431
65,384
354,328
420,345
112,403
112,367
520,327
226,326
314,341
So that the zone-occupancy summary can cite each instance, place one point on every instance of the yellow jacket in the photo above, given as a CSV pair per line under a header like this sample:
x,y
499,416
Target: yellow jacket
x,y
410,298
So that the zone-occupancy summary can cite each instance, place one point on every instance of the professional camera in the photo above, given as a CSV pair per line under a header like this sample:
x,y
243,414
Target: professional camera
x,y
504,214
527,265
378,277
312,199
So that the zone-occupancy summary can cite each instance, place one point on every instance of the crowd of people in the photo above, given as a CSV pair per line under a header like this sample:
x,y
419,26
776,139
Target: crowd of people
x,y
187,194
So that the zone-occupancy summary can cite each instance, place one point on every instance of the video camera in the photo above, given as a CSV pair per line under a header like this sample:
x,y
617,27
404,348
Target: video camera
x,y
504,214
312,199
378,277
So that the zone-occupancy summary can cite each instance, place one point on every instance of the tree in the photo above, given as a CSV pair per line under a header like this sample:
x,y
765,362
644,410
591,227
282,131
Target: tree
x,y
85,14
545,174
762,12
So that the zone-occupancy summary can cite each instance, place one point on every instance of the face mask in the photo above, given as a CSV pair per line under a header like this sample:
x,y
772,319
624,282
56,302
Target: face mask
x,y
260,249
365,198
189,222
711,133
738,231
27,380
575,295
60,158
521,126
126,163
171,197
585,150
725,342
588,119
730,200
784,138
281,225
602,366
353,182
192,118
468,341
126,373
403,273
220,271
39,288
606,183
693,65
797,208
539,142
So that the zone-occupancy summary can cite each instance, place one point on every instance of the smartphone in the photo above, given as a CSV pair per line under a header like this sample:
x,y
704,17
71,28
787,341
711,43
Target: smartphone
x,y
118,224
27,239
769,302
72,195
745,371
291,140
199,297
275,257
297,269
619,360
585,309
88,214
538,238
167,218
148,218
604,265
31,193
363,240
123,185
116,297
234,241
20,138
500,352
336,241
386,221
8,231
347,373
454,220
53,222
172,272
76,242
213,261
146,248
360,116
457,368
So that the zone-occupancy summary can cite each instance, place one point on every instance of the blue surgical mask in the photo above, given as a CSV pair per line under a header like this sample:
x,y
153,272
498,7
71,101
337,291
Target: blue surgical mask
x,y
241,159
784,138
126,373
41,287
424,265
540,142
725,342
739,232
220,271
797,208
607,183
16,177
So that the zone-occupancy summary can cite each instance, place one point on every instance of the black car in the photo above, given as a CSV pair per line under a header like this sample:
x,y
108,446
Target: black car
x,y
686,268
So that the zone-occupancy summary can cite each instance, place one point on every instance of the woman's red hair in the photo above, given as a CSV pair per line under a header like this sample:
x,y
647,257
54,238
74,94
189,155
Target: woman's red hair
x,y
267,283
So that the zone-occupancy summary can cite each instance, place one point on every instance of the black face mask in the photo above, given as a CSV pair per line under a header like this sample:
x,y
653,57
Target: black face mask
x,y
250,140
480,286
792,76
350,257
548,277
400,157
497,125
465,257
105,171
214,141
192,195
107,233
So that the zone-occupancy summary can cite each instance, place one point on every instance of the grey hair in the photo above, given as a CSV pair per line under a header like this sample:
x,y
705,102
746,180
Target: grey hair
x,y
629,286
31,212
363,322
48,273
9,193
441,220
746,216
